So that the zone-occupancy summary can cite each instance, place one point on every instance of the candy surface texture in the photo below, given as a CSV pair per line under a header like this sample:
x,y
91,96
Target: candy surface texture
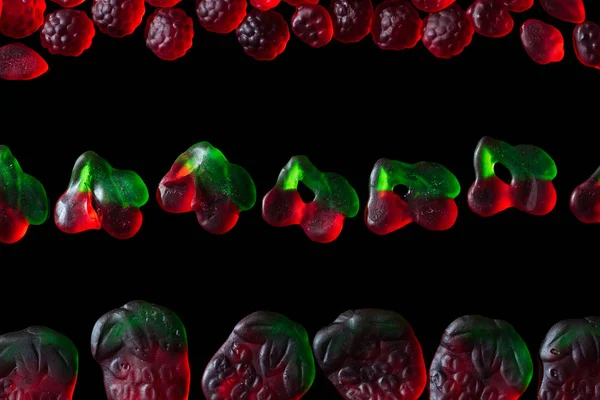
x,y
221,16
313,25
351,19
585,200
446,33
118,18
518,5
21,18
542,42
396,25
565,10
432,5
490,18
169,33
67,32
263,34
586,42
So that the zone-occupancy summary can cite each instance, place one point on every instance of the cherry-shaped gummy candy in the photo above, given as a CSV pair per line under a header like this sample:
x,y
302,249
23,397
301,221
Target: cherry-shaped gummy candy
x,y
490,18
351,19
518,5
565,10
21,18
19,63
446,33
221,16
585,200
67,32
586,41
542,42
169,33
396,25
312,24
118,18
263,34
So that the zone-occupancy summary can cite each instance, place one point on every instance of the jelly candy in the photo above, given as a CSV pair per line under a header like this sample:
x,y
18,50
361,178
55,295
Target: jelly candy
x,y
0,8
143,352
118,18
530,190
490,18
38,363
565,10
585,200
480,358
67,32
265,5
169,33
101,197
396,25
23,200
263,34
372,354
19,63
429,201
313,25
351,19
298,3
68,3
221,16
322,219
542,42
518,5
267,356
21,18
586,41
432,5
163,3
446,33
204,181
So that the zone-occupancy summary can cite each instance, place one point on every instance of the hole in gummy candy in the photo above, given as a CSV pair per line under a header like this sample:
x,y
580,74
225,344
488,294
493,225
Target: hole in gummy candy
x,y
503,173
401,190
305,193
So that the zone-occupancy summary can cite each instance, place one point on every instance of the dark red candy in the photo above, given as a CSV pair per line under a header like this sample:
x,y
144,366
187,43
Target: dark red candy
x,y
298,3
565,10
396,25
68,3
432,5
490,18
585,200
263,34
351,19
586,41
221,16
21,18
118,18
518,5
542,42
312,24
163,3
446,33
264,5
19,63
0,8
67,32
169,33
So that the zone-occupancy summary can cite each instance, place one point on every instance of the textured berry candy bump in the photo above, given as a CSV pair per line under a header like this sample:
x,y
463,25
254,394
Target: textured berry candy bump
x,y
143,352
565,10
531,189
480,358
263,34
490,18
118,18
67,32
169,33
371,354
396,25
19,63
23,200
446,33
21,18
313,25
101,197
586,42
204,181
322,219
38,363
267,356
428,202
585,200
432,6
351,19
221,16
542,42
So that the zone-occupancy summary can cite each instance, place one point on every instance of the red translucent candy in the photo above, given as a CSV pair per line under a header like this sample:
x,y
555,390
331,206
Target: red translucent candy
x,y
19,63
298,3
312,24
351,19
264,5
565,10
518,5
118,18
542,42
446,33
490,18
432,5
585,200
67,32
396,25
586,42
68,3
21,18
13,225
1,8
221,16
169,33
263,34
163,3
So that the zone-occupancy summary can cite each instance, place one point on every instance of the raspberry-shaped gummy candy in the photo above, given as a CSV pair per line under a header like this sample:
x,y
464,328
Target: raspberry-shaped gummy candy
x,y
518,5
432,5
543,43
585,199
21,18
565,10
586,41
143,351
118,18
38,363
169,33
23,200
530,190
101,197
428,202
263,34
322,219
372,354
312,24
490,18
204,181
396,25
351,19
221,16
19,63
67,32
446,33
480,358
267,356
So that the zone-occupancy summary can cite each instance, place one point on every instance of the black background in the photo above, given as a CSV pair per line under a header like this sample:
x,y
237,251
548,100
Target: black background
x,y
344,106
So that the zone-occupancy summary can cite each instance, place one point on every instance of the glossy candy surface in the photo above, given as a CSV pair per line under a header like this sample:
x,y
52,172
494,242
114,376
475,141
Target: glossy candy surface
x,y
118,18
263,34
169,33
490,18
542,42
566,10
396,25
585,200
446,33
351,19
518,5
313,25
431,6
67,32
221,16
586,42
21,18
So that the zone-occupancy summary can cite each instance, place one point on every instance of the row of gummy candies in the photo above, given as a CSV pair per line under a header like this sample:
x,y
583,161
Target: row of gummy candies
x,y
263,33
204,181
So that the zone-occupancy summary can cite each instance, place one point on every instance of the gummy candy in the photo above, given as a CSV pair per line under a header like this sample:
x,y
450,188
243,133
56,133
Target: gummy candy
x,y
118,18
446,33
23,200
267,356
68,3
518,5
429,201
38,363
163,3
351,19
298,3
396,25
0,8
265,5
19,63
313,25
480,358
565,10
372,354
67,32
169,33
490,18
322,219
101,197
221,16
586,41
542,42
530,190
432,5
21,18
263,34
204,181
143,352
585,199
